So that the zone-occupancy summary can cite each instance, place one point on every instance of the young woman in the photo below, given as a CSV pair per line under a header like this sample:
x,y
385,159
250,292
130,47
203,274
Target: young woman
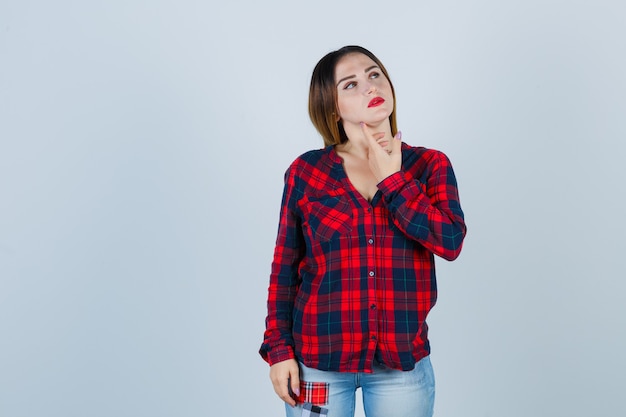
x,y
353,275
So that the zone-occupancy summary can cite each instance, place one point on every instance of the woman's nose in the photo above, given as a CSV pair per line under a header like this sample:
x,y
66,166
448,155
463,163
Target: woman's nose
x,y
370,88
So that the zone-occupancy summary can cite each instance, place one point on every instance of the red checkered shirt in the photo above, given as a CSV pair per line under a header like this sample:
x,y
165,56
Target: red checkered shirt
x,y
352,281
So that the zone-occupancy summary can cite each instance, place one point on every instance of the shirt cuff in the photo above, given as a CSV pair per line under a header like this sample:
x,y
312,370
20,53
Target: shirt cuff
x,y
394,182
277,354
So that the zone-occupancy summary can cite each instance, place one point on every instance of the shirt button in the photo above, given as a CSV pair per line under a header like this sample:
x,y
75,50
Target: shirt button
x,y
369,209
371,273
373,306
370,241
373,338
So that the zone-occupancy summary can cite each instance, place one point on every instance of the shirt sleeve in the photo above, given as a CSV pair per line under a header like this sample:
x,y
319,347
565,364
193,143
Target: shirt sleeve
x,y
284,279
430,211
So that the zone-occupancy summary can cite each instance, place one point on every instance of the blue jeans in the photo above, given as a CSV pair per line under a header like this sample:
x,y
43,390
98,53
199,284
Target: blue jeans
x,y
386,392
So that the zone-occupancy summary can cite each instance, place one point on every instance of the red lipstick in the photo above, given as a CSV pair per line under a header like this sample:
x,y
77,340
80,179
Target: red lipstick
x,y
376,101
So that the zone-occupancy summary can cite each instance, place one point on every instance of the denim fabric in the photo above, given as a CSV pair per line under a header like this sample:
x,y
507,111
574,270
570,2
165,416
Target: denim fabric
x,y
386,392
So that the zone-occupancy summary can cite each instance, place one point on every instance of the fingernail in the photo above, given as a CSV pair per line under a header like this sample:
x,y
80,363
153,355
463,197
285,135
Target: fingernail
x,y
362,124
297,392
399,135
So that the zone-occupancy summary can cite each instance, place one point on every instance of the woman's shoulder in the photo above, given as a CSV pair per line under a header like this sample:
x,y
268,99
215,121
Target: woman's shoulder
x,y
314,157
422,153
314,169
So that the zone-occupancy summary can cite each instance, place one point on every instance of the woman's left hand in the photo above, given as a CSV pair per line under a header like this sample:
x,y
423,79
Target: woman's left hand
x,y
383,161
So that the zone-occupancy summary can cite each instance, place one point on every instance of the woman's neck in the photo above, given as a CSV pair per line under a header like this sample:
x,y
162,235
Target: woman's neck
x,y
358,149
358,144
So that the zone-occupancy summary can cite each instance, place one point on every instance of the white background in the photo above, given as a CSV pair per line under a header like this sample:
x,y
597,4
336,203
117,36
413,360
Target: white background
x,y
142,152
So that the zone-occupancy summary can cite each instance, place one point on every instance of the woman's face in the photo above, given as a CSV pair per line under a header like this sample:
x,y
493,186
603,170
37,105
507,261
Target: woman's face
x,y
363,92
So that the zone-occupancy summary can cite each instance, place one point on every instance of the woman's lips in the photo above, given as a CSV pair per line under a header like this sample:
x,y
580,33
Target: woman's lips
x,y
376,101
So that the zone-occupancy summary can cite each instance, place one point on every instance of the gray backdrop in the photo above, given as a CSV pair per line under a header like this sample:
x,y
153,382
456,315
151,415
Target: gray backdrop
x,y
143,145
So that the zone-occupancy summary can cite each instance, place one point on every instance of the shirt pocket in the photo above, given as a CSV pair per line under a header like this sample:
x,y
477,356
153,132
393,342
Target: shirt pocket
x,y
329,215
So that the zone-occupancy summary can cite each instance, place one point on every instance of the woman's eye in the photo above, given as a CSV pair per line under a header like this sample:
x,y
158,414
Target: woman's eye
x,y
349,85
374,75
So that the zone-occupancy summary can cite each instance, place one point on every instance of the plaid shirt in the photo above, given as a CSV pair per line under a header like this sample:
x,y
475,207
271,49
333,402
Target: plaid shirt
x,y
353,281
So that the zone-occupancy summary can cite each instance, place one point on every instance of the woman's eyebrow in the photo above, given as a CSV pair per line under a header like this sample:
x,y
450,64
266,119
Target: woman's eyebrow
x,y
352,76
345,78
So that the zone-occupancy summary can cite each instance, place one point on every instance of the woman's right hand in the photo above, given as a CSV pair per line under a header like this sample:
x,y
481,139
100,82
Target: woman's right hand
x,y
282,374
383,161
